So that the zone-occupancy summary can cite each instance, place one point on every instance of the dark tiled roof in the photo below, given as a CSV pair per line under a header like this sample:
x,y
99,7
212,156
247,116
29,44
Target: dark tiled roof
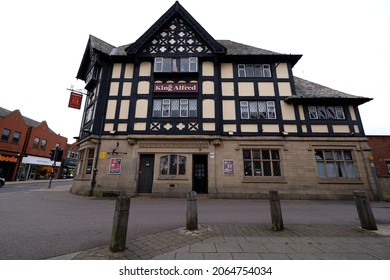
x,y
234,48
306,90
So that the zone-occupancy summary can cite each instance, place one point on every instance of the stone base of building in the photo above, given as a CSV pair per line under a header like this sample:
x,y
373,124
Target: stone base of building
x,y
219,167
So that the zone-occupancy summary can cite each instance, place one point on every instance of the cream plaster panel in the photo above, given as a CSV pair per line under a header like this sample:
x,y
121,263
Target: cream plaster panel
x,y
246,89
229,127
122,127
284,89
108,127
141,110
114,87
229,110
143,87
226,70
140,126
209,126
145,69
266,89
126,90
290,128
319,129
341,129
287,111
304,129
124,111
227,89
129,70
356,127
301,112
282,70
111,108
270,128
249,128
352,112
116,70
208,109
208,68
208,87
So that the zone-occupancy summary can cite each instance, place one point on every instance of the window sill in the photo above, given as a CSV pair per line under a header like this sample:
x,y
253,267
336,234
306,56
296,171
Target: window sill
x,y
173,177
356,180
264,179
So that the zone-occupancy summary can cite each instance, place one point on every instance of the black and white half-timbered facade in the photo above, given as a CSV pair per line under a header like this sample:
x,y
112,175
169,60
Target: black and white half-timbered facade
x,y
177,111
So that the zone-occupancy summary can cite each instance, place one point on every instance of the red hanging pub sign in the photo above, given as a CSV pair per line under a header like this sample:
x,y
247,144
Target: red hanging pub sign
x,y
75,100
176,87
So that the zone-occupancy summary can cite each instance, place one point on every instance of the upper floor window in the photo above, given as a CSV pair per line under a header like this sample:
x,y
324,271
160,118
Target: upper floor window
x,y
5,135
326,112
167,108
43,144
335,163
258,110
36,142
254,70
15,139
184,64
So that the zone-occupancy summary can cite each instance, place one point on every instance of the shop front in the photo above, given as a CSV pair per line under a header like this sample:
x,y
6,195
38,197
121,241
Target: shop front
x,y
37,168
8,166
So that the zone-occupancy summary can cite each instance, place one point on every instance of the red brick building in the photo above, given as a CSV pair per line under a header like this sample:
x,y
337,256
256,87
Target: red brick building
x,y
25,147
380,145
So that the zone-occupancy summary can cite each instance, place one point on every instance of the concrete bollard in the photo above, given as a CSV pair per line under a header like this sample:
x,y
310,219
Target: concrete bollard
x,y
192,211
367,220
276,211
119,228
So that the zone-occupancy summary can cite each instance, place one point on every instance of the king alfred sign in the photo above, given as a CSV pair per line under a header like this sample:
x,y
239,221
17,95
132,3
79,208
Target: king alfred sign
x,y
171,87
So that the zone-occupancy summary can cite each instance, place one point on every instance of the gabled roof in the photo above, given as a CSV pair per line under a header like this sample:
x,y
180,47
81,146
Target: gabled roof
x,y
309,93
176,10
29,122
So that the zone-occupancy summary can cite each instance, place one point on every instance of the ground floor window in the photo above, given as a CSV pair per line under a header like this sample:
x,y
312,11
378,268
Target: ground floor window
x,y
259,162
173,165
90,154
335,163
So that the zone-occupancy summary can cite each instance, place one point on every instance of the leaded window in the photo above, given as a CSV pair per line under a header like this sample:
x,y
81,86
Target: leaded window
x,y
335,163
185,64
258,110
254,70
326,112
175,108
261,162
173,165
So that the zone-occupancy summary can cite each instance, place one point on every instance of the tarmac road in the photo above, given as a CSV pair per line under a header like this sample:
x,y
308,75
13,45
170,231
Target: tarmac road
x,y
39,223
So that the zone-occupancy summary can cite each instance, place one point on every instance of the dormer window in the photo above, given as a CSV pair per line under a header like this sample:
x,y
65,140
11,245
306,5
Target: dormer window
x,y
168,65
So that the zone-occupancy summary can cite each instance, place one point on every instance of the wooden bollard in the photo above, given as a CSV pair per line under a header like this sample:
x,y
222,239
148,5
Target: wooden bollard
x,y
276,211
192,211
119,228
367,220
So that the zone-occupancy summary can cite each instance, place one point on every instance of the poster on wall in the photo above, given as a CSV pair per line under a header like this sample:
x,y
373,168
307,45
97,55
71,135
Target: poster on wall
x,y
115,166
228,167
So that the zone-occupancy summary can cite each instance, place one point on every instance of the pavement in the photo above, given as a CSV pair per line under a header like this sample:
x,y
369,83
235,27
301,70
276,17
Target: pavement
x,y
252,242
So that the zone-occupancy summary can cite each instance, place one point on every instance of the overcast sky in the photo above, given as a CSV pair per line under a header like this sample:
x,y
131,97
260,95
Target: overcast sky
x,y
345,46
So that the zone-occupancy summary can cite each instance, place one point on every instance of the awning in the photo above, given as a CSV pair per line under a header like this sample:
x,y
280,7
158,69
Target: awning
x,y
39,161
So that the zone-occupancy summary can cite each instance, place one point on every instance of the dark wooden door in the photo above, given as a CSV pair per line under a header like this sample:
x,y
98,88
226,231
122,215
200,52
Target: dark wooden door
x,y
145,176
199,174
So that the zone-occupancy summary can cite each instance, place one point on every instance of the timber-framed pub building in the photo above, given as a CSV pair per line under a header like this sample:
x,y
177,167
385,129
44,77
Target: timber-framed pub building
x,y
177,111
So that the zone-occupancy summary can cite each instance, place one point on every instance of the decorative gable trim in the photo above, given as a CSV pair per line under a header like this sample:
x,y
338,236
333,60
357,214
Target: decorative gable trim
x,y
153,40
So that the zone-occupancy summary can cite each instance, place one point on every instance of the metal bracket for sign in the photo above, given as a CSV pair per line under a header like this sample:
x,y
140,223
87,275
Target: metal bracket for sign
x,y
80,91
114,152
